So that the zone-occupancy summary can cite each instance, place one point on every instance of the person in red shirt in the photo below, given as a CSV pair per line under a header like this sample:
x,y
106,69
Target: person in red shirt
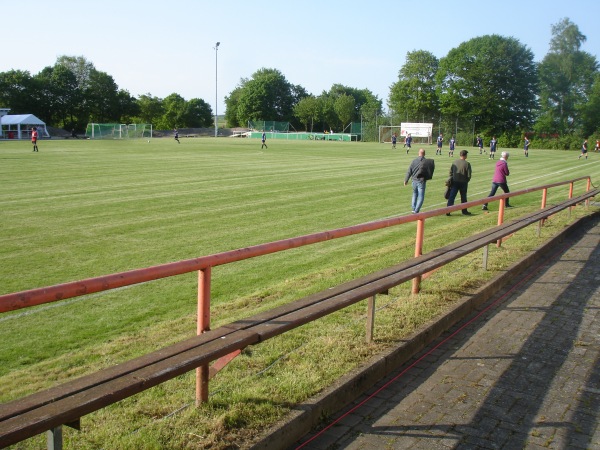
x,y
34,138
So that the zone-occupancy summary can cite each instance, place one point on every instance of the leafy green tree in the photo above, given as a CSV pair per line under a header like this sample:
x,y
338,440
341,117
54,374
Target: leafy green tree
x,y
308,110
590,111
414,95
231,106
59,95
197,114
267,96
567,76
491,79
150,109
174,112
81,68
102,98
344,108
19,92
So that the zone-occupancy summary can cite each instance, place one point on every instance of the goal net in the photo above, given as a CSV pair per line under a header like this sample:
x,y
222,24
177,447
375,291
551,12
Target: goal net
x,y
420,132
118,131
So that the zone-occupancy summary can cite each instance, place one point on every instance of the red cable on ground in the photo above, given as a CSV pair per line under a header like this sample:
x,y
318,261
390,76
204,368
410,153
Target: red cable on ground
x,y
523,280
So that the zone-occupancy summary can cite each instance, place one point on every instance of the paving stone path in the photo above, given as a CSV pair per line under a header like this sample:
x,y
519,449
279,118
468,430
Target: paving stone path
x,y
521,373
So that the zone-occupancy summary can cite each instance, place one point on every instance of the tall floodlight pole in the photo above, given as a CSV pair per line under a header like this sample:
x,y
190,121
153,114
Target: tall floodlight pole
x,y
216,95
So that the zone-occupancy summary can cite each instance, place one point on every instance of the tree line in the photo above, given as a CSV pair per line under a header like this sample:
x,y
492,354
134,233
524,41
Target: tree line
x,y
489,85
72,93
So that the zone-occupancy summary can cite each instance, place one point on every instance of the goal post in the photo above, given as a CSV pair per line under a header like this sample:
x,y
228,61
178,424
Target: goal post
x,y
420,132
118,131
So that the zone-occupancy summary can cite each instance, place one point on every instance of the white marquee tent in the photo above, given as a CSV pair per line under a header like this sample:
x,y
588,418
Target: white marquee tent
x,y
19,126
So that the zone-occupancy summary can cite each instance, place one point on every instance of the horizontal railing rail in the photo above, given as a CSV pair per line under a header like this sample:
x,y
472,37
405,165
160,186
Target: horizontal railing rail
x,y
38,296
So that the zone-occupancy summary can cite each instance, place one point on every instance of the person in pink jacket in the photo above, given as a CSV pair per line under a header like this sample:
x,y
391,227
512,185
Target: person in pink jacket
x,y
499,179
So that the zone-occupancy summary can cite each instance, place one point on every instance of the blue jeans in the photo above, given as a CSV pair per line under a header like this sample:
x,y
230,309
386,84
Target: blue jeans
x,y
495,186
418,195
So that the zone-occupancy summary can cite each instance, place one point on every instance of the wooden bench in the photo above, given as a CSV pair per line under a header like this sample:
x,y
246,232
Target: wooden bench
x,y
67,403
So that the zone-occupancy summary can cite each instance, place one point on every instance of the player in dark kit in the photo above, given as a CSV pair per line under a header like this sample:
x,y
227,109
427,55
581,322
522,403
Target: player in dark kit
x,y
176,135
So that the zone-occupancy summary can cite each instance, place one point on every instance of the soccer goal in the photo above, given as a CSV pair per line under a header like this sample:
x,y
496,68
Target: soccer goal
x,y
118,131
420,132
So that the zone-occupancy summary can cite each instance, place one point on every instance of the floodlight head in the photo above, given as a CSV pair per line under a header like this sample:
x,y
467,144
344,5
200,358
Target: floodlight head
x,y
218,43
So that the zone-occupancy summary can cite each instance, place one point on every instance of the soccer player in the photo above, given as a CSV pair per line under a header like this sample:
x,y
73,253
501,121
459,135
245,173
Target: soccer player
x,y
394,141
584,149
408,142
440,141
526,147
176,135
480,144
452,143
493,144
34,138
264,140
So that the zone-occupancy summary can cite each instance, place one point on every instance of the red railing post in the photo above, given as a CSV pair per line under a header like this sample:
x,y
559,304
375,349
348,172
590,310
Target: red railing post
x,y
544,200
416,284
500,217
203,325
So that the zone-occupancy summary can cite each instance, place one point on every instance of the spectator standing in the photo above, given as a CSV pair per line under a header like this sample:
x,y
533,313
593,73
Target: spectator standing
x,y
34,139
460,172
499,179
419,179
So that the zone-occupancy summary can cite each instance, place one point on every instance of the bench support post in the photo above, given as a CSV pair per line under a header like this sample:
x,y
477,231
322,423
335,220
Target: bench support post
x,y
203,325
54,438
486,250
370,318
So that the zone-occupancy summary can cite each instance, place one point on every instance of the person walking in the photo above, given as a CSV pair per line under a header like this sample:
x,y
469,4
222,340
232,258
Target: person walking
x,y
499,178
34,139
584,149
420,170
493,144
176,133
264,140
394,138
526,147
460,172
480,144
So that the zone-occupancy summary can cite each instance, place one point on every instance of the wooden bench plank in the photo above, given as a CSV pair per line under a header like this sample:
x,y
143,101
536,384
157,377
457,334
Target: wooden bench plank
x,y
73,407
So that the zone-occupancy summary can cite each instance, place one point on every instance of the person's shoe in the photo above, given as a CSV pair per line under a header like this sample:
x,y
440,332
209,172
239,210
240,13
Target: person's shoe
x,y
448,214
467,213
509,206
413,212
485,208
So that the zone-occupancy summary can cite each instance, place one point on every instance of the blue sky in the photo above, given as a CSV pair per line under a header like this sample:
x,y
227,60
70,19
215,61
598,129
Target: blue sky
x,y
162,47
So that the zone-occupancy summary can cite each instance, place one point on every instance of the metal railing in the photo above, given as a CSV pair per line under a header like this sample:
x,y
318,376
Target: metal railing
x,y
204,264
